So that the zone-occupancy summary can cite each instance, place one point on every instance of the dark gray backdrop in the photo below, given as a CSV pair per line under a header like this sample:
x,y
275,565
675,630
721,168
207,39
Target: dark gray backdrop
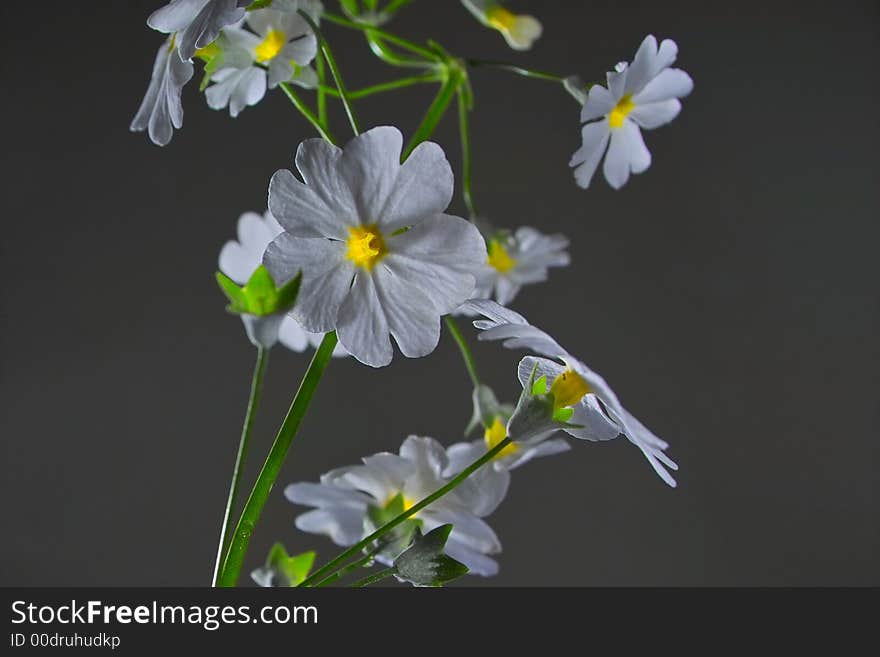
x,y
728,294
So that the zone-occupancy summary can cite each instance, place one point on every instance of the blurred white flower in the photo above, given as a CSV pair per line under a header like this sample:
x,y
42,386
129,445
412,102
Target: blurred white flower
x,y
196,22
642,95
351,502
519,259
378,256
519,30
161,110
239,259
596,408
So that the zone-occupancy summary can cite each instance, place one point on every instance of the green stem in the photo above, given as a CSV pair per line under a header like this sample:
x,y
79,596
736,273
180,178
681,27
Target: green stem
x,y
373,31
464,130
396,5
322,94
334,69
435,112
306,112
342,572
518,70
232,498
375,577
257,500
385,86
469,362
338,562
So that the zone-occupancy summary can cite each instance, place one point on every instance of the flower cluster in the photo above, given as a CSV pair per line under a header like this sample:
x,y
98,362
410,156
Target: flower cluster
x,y
359,251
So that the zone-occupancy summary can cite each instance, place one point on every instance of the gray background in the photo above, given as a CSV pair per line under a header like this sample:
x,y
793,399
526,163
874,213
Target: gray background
x,y
729,294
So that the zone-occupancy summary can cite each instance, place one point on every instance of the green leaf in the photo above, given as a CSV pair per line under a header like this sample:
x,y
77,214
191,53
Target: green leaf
x,y
292,569
424,564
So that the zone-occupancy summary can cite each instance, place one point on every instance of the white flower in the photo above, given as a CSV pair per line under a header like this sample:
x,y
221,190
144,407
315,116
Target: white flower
x,y
643,95
519,259
377,254
348,500
239,259
596,407
197,22
161,110
520,31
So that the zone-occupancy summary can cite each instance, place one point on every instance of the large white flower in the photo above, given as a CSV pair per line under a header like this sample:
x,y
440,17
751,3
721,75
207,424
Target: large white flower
x,y
519,30
161,110
196,22
519,259
377,254
596,409
239,259
349,500
642,95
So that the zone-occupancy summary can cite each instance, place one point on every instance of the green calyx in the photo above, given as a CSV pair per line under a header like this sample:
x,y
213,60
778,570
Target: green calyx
x,y
259,296
292,569
425,564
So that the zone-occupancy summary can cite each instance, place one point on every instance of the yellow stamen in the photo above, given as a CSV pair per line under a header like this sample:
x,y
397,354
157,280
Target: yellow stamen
x,y
500,18
495,434
499,258
621,111
365,246
270,46
568,389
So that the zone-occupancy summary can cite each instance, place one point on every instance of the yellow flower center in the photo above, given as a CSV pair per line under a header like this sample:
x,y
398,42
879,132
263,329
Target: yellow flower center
x,y
500,18
621,111
495,434
499,258
407,502
365,246
270,46
568,389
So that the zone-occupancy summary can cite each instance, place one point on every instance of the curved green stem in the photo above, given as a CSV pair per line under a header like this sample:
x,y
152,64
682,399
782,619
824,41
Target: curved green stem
x,y
232,498
469,362
385,86
320,68
383,35
263,486
435,112
306,112
338,562
342,572
375,577
517,70
334,69
464,131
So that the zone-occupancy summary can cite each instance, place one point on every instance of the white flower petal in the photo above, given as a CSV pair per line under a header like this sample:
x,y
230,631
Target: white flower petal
x,y
411,316
343,526
428,456
423,188
595,425
467,528
206,25
477,562
161,110
653,115
292,335
669,83
326,277
642,68
617,161
439,257
361,324
483,491
322,496
587,157
369,164
262,331
461,455
544,448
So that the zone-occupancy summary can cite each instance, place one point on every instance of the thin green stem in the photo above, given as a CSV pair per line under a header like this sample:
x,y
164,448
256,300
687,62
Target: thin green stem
x,y
375,577
396,5
247,428
372,30
517,70
342,572
322,93
464,131
385,86
466,355
263,486
338,562
435,112
306,112
334,69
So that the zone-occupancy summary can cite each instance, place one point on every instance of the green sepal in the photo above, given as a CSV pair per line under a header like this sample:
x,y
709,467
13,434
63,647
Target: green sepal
x,y
424,564
293,569
259,296
258,4
539,387
563,415
486,409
